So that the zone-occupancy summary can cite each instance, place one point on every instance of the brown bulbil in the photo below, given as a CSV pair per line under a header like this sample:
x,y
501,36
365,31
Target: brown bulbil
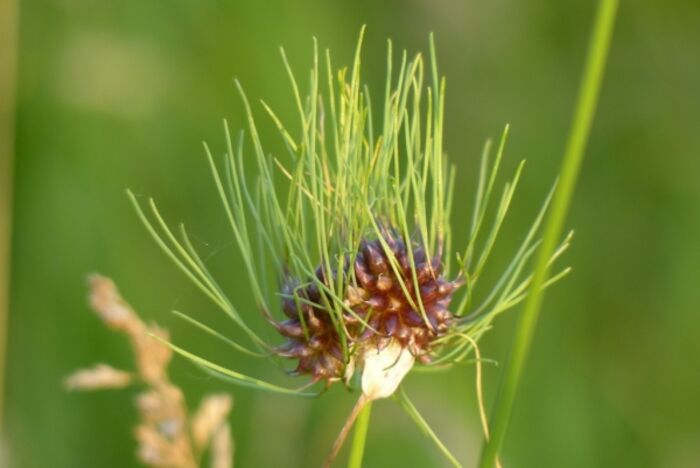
x,y
380,298
312,337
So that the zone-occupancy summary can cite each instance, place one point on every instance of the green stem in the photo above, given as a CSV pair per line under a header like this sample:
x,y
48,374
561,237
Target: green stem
x,y
9,14
360,437
571,163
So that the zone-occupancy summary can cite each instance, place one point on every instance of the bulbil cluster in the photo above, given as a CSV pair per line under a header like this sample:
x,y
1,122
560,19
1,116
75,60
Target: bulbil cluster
x,y
394,293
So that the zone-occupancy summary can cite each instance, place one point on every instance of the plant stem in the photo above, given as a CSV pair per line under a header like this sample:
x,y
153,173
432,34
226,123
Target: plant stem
x,y
8,88
571,163
360,437
362,402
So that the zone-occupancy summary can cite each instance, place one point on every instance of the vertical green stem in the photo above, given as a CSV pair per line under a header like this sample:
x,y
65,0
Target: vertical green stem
x,y
8,87
580,129
360,437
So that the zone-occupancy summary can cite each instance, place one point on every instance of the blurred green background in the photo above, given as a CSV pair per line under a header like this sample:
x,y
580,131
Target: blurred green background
x,y
121,94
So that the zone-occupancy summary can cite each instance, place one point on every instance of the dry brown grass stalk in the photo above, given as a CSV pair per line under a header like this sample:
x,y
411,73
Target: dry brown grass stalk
x,y
168,436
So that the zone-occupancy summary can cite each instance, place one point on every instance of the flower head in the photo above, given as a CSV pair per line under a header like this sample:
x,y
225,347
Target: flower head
x,y
353,225
391,297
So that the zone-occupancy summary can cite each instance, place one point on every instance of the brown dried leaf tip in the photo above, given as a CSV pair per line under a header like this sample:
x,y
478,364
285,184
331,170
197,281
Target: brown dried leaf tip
x,y
168,436
393,293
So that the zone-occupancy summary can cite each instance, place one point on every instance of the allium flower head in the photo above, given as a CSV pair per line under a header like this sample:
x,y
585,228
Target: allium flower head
x,y
346,238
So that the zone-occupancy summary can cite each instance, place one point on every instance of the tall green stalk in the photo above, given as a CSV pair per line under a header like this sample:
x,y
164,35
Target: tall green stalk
x,y
360,437
8,87
571,163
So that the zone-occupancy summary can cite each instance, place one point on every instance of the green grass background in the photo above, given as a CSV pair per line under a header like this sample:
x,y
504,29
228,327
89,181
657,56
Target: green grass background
x,y
120,94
